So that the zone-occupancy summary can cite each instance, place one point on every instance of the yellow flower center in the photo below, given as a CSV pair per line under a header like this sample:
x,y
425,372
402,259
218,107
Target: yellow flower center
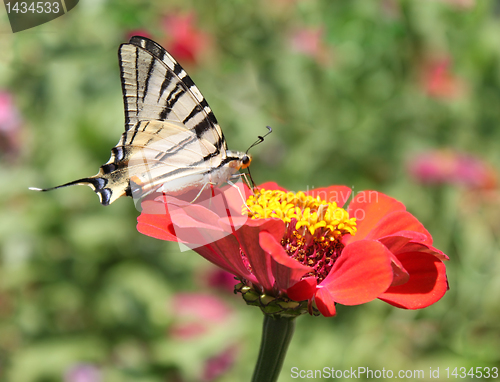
x,y
314,227
321,219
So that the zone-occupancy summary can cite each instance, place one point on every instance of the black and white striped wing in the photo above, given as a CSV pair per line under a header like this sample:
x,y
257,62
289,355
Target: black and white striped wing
x,y
171,139
155,87
165,154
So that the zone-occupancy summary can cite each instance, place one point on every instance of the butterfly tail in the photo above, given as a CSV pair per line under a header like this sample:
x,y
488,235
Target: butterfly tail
x,y
96,182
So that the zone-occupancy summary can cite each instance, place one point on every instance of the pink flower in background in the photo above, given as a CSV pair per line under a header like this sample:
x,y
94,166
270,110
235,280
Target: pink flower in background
x,y
307,40
282,8
10,125
220,279
219,364
461,4
438,80
9,115
452,167
390,9
196,314
83,373
185,41
310,42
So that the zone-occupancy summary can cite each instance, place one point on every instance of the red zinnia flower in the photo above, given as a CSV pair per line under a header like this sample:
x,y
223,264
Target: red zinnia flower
x,y
310,42
138,32
185,41
440,82
298,252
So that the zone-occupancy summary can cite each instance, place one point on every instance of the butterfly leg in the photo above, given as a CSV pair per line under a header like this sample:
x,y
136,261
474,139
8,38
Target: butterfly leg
x,y
245,179
199,193
239,191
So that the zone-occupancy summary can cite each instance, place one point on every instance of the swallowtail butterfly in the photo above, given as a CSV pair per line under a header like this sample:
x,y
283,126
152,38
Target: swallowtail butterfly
x,y
172,142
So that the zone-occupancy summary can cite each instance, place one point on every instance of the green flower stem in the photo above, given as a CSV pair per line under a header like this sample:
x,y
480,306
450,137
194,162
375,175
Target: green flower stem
x,y
277,333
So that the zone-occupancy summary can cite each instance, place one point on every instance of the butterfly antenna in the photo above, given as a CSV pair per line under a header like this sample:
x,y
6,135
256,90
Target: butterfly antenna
x,y
258,141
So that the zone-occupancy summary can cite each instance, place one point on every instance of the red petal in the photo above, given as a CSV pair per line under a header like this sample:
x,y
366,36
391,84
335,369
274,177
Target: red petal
x,y
259,260
394,243
157,226
418,247
196,225
232,199
303,290
213,243
286,270
225,253
272,186
359,275
325,303
400,239
154,208
337,194
427,282
398,221
368,207
400,274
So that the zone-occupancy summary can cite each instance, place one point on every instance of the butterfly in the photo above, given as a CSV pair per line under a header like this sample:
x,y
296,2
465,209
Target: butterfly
x,y
172,142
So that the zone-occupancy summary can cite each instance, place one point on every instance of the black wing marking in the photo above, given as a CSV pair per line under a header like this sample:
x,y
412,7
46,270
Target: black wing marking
x,y
156,87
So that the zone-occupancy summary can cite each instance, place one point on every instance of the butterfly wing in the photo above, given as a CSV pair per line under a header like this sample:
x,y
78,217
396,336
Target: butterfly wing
x,y
155,87
166,154
171,134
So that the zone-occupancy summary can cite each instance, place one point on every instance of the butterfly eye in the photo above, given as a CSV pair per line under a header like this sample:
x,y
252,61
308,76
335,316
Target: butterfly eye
x,y
245,161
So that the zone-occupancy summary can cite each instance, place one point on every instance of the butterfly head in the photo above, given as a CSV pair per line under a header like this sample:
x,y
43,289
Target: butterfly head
x,y
246,159
238,160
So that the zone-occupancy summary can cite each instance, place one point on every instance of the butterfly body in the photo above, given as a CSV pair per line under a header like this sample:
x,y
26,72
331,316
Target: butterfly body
x,y
172,142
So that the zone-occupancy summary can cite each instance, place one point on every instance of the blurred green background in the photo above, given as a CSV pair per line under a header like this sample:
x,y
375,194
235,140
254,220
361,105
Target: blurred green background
x,y
398,96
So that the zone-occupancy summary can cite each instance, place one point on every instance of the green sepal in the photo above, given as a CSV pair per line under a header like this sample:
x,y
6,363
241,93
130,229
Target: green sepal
x,y
280,306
